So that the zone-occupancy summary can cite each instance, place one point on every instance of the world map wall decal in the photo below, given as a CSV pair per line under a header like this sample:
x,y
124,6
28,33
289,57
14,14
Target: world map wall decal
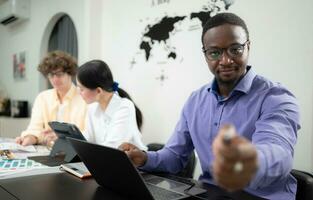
x,y
159,33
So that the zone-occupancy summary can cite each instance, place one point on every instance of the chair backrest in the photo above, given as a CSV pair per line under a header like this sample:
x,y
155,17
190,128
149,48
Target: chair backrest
x,y
189,169
304,186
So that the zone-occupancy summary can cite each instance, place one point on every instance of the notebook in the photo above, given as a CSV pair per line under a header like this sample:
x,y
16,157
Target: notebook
x,y
112,169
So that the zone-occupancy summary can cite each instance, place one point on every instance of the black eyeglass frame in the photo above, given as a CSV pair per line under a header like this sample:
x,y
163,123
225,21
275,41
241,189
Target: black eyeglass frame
x,y
228,51
57,74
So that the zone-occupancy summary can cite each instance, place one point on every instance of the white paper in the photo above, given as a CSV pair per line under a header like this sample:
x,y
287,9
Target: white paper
x,y
41,151
16,147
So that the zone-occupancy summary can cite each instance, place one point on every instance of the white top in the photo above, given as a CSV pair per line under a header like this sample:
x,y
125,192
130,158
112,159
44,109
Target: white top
x,y
114,125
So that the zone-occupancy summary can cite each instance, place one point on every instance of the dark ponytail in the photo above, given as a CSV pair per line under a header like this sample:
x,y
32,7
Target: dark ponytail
x,y
97,73
139,117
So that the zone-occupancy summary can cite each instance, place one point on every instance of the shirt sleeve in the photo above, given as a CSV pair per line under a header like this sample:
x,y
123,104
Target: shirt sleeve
x,y
88,132
121,127
174,156
36,125
275,137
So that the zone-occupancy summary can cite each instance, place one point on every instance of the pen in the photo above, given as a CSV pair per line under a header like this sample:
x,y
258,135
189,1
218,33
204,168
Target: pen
x,y
229,135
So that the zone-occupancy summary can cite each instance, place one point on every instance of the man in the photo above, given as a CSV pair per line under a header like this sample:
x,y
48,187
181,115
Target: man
x,y
61,103
242,126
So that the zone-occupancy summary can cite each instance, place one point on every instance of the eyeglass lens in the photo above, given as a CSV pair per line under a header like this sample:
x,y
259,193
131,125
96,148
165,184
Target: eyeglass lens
x,y
234,51
57,74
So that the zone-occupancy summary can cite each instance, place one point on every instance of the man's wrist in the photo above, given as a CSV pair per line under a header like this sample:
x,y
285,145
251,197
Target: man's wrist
x,y
34,138
145,158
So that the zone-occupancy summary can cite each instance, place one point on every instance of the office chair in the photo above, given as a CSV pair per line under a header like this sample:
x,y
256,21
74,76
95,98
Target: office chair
x,y
305,185
189,169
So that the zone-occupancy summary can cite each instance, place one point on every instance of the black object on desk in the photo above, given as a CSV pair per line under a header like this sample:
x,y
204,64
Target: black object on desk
x,y
116,172
60,186
49,160
212,191
64,186
62,151
6,195
64,131
110,172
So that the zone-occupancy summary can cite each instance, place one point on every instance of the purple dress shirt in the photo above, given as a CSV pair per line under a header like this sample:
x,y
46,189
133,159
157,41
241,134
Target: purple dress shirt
x,y
264,112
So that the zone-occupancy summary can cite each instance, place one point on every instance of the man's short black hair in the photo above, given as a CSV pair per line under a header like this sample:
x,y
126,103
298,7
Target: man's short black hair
x,y
224,18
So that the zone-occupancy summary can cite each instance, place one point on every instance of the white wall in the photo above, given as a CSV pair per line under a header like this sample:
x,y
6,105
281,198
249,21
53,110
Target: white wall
x,y
281,49
161,103
29,36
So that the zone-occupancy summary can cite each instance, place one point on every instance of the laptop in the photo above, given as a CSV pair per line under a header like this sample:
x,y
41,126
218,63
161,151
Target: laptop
x,y
112,169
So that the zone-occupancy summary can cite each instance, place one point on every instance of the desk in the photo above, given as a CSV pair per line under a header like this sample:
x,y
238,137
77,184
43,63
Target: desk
x,y
63,186
60,186
5,195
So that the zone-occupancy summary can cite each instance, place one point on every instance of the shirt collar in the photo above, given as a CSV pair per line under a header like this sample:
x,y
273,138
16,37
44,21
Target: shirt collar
x,y
243,86
245,83
113,105
69,95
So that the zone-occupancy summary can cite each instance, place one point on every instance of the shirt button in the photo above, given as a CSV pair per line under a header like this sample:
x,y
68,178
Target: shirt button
x,y
215,124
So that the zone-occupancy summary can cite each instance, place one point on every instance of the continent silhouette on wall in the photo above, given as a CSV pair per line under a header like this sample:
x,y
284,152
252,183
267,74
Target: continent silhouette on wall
x,y
161,32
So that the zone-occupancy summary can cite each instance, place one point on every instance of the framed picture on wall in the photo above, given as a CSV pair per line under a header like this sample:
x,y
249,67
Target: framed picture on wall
x,y
19,65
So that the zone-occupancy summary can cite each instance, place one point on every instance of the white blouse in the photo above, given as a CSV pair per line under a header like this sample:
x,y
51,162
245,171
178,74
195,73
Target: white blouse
x,y
114,125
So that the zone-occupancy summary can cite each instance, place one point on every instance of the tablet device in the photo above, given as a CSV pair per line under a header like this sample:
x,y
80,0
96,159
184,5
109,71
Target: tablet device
x,y
64,130
62,146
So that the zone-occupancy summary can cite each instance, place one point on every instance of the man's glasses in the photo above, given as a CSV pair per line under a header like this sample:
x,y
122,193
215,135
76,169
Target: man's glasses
x,y
58,74
233,51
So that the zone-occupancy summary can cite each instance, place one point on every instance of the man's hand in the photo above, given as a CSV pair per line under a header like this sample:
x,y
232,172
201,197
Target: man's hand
x,y
137,156
26,140
235,161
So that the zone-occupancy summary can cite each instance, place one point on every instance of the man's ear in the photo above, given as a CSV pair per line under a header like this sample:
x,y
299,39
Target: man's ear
x,y
248,44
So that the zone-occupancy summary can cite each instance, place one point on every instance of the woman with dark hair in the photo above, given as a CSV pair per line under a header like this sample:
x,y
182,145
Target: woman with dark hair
x,y
112,117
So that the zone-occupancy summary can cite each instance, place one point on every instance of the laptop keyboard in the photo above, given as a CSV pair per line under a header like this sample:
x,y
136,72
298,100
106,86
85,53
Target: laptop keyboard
x,y
49,160
162,194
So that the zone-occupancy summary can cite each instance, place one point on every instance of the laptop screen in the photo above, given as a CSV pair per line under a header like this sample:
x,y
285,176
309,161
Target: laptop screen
x,y
112,169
